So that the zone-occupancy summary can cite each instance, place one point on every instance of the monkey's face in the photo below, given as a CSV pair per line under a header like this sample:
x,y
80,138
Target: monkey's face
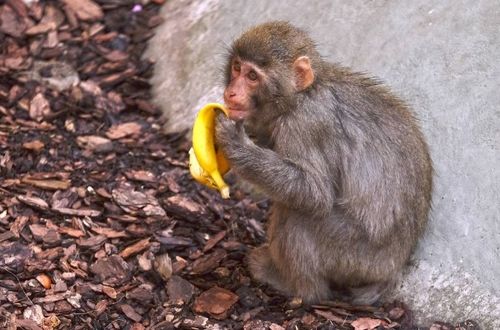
x,y
245,81
250,86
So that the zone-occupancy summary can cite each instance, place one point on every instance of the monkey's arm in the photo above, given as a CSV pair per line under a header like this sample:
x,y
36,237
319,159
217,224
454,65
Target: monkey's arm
x,y
295,183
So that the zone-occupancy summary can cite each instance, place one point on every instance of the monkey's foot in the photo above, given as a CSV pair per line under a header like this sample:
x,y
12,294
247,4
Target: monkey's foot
x,y
263,269
306,286
367,295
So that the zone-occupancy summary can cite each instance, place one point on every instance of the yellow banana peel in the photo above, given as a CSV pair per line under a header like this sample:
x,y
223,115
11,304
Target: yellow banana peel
x,y
207,164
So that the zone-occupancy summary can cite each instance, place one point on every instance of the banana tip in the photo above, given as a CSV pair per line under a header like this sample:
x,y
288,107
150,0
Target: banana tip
x,y
224,191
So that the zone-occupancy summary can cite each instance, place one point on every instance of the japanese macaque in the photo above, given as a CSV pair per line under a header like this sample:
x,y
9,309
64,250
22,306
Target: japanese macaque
x,y
342,159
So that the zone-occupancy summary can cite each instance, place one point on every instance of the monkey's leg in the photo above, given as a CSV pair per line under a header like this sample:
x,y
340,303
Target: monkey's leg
x,y
293,276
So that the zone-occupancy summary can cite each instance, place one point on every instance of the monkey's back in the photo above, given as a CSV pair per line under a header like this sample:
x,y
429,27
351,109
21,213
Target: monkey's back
x,y
380,164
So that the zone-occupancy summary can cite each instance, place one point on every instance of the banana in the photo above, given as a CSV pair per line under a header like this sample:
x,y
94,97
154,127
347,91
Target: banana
x,y
207,165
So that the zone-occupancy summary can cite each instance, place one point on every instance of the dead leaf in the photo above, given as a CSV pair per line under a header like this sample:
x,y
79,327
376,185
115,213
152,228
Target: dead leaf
x,y
6,236
170,179
116,78
141,175
275,326
109,291
122,130
27,325
33,201
49,175
135,248
93,241
101,307
52,237
175,241
51,322
331,317
39,108
184,206
103,193
214,240
94,143
41,28
48,184
50,298
109,233
11,23
216,302
60,286
137,326
179,265
19,7
78,212
143,294
130,313
209,262
52,40
86,10
144,262
366,323
44,280
77,233
116,56
163,266
135,202
146,106
35,145
91,87
16,62
51,20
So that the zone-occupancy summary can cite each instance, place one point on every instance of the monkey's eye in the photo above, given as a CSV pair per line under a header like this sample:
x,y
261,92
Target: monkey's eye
x,y
252,75
237,66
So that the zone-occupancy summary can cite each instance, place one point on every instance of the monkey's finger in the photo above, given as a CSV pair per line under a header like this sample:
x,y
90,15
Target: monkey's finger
x,y
240,129
223,130
223,123
219,113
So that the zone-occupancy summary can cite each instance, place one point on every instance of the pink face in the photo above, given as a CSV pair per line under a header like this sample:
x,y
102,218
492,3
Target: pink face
x,y
245,80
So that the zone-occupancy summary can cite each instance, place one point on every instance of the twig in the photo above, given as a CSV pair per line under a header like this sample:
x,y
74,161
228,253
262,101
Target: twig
x,y
20,285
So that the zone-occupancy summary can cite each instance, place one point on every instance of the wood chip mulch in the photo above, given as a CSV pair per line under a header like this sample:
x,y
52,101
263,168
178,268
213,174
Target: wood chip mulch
x,y
101,226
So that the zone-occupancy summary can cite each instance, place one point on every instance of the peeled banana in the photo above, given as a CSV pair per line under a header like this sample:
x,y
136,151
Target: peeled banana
x,y
207,164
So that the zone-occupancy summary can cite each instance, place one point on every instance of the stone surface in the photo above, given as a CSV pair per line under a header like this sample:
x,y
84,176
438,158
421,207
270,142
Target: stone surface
x,y
442,57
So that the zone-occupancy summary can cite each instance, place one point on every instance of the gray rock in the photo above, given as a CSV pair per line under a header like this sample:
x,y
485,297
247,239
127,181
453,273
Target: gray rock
x,y
34,313
179,290
112,271
58,75
442,57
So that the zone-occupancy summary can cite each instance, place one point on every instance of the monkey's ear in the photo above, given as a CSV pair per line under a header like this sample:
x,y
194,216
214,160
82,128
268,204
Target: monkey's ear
x,y
304,75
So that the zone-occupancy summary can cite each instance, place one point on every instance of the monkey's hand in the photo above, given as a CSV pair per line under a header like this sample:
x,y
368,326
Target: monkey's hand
x,y
294,181
230,135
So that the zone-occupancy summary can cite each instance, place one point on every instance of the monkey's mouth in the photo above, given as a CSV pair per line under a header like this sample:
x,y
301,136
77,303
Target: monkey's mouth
x,y
237,114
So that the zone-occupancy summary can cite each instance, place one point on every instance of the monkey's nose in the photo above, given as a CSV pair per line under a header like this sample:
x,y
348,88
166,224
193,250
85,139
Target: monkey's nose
x,y
229,96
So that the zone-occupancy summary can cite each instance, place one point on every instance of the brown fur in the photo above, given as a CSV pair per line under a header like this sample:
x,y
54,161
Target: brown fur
x,y
343,160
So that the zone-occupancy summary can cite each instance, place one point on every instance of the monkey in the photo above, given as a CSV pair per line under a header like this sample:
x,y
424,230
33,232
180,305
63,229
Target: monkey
x,y
342,159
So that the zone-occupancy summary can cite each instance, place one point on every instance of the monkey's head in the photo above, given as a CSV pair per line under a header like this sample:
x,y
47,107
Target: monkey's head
x,y
269,64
